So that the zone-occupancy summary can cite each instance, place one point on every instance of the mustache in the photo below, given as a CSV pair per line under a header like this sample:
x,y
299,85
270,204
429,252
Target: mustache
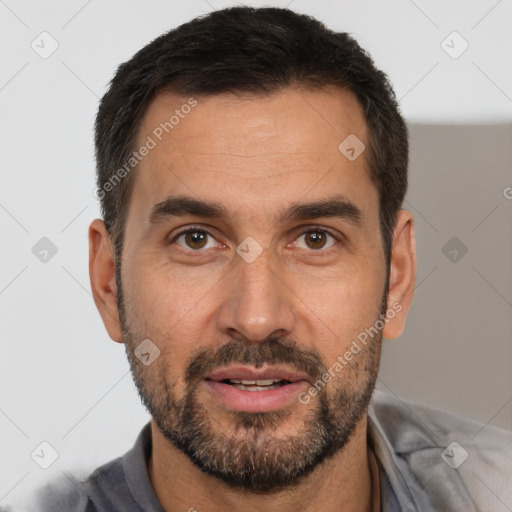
x,y
271,351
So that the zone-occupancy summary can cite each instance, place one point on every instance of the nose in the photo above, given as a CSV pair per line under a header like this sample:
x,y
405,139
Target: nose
x,y
256,303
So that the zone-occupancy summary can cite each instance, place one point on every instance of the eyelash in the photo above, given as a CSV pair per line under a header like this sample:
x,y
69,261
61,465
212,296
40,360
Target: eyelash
x,y
313,229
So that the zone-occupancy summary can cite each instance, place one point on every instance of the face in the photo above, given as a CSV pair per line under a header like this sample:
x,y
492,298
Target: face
x,y
256,289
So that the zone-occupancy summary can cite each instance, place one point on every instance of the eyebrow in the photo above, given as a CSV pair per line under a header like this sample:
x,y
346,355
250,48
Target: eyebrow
x,y
336,207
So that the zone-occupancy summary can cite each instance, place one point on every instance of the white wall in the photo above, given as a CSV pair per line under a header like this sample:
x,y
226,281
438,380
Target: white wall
x,y
61,377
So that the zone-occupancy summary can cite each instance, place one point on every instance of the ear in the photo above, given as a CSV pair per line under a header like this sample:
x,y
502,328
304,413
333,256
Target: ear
x,y
402,278
103,279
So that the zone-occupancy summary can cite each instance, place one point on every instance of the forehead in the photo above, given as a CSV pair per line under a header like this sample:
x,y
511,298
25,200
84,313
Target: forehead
x,y
253,153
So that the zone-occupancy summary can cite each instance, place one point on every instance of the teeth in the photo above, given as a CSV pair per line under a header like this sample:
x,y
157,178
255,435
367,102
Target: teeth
x,y
261,382
266,382
254,388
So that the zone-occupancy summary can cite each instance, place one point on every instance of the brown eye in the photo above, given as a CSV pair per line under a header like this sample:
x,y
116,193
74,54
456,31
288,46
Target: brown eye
x,y
316,239
194,239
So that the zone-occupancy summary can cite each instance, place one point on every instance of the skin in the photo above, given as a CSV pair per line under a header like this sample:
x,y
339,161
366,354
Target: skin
x,y
256,155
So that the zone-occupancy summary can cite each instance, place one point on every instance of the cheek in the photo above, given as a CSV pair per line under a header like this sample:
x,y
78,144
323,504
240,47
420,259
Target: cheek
x,y
342,306
164,294
341,336
168,308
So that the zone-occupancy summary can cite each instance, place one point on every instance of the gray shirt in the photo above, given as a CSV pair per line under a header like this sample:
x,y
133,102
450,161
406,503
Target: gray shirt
x,y
428,460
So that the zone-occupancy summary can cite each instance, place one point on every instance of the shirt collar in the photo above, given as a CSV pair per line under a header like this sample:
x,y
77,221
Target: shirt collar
x,y
394,490
135,467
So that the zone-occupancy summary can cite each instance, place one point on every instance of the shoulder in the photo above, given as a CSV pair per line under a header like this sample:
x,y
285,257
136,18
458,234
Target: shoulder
x,y
458,461
120,484
71,493
62,493
433,426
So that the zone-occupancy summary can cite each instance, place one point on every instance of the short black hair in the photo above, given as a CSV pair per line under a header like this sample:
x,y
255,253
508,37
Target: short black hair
x,y
256,51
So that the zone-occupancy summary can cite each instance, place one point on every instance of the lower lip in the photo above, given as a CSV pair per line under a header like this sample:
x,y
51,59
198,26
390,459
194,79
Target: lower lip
x,y
257,401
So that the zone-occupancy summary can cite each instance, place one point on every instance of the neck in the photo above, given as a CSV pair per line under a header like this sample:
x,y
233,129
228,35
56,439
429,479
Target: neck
x,y
342,482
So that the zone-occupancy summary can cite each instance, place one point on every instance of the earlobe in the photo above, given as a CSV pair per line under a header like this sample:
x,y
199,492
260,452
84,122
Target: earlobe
x,y
102,277
402,277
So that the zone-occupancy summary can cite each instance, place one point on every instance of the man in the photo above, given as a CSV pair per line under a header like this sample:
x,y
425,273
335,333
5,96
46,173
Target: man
x,y
252,255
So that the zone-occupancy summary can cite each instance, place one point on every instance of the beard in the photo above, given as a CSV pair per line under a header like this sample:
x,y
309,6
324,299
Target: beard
x,y
252,455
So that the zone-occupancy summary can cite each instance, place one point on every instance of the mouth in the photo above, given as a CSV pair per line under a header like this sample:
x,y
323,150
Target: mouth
x,y
256,390
255,385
